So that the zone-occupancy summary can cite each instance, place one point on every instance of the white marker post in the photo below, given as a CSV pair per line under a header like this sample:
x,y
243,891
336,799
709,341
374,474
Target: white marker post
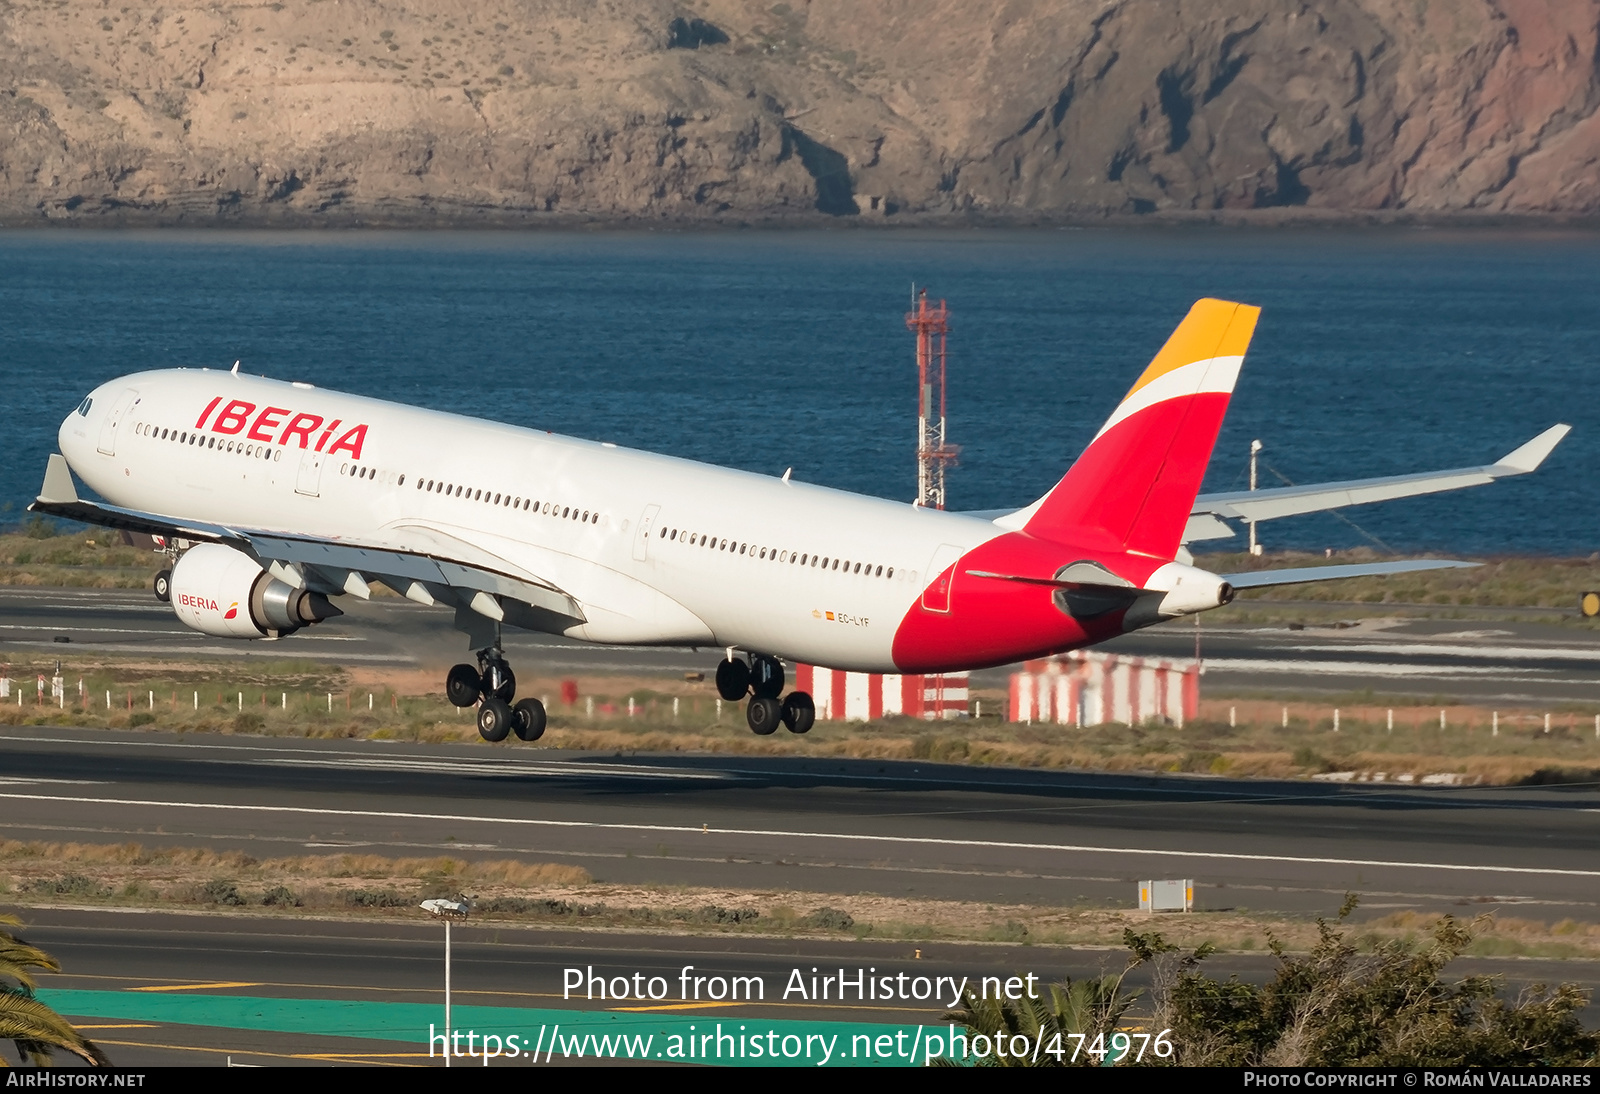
x,y
446,910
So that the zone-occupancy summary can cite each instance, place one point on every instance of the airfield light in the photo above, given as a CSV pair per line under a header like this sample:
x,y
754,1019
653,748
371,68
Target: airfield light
x,y
446,910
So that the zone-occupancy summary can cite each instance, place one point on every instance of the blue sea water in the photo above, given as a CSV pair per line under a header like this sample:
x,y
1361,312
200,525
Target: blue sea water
x,y
1378,352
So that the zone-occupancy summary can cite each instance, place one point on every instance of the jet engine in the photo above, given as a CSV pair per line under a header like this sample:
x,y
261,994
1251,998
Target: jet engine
x,y
220,591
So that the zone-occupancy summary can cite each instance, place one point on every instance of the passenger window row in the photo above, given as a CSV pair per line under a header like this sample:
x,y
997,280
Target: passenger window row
x,y
527,505
773,554
362,471
220,444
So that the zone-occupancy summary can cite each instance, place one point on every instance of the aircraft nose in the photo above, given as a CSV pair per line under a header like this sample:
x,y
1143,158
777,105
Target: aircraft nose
x,y
74,435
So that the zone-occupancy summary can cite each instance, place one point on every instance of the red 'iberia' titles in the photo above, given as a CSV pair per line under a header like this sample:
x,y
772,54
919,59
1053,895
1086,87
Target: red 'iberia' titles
x,y
273,425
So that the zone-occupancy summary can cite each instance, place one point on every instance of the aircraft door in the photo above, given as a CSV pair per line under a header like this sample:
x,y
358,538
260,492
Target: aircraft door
x,y
940,576
309,481
119,410
647,526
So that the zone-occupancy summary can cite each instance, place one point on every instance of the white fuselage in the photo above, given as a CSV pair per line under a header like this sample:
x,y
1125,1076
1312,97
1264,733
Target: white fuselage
x,y
634,548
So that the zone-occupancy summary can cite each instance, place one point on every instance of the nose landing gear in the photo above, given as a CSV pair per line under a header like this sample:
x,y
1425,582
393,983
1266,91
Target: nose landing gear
x,y
762,679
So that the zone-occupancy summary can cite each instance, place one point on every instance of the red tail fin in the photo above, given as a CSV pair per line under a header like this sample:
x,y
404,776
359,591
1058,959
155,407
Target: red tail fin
x,y
1136,482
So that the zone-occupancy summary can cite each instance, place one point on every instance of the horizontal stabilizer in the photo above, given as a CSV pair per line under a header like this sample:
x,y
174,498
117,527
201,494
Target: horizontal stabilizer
x,y
1264,579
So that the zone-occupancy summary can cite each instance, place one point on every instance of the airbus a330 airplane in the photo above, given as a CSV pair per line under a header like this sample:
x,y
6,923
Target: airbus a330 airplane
x,y
273,497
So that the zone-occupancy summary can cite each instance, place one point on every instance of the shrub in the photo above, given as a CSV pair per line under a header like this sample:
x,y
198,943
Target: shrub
x,y
280,896
1337,1008
221,892
374,898
69,885
829,919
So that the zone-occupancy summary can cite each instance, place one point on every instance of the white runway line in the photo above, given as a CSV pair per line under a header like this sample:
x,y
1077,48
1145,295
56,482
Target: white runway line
x,y
925,841
502,769
1373,668
1478,653
150,632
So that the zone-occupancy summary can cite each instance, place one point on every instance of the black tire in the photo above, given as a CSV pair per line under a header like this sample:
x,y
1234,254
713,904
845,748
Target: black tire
x,y
733,680
799,712
764,715
528,720
766,677
162,586
494,720
461,686
506,689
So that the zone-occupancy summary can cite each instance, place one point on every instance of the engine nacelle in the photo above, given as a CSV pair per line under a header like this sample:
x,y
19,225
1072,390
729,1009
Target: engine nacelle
x,y
220,591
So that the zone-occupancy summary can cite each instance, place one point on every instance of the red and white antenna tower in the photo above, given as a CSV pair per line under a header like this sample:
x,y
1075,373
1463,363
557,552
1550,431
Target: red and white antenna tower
x,y
930,325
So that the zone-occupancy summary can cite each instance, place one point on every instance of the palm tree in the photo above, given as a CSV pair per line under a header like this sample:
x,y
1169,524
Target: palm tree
x,y
36,1030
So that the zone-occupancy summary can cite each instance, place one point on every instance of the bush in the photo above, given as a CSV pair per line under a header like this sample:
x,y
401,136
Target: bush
x,y
1337,1008
280,896
519,905
374,898
141,718
829,919
1331,1008
69,885
1309,758
221,892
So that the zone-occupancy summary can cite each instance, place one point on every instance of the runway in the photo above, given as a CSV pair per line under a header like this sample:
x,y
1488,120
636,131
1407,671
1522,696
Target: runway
x,y
843,826
1481,662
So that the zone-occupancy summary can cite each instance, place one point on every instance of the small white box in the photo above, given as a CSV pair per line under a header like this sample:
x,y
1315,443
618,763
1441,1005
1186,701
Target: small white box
x,y
1166,896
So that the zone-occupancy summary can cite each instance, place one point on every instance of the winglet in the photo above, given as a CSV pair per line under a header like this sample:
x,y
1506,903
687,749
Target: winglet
x,y
58,488
1531,455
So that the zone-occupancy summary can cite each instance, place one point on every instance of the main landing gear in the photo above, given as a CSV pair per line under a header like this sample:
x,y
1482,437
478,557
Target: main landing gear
x,y
762,679
492,682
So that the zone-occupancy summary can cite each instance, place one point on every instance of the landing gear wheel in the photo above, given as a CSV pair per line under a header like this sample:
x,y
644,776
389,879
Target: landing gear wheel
x,y
162,586
799,712
764,715
766,677
498,681
733,680
461,686
528,720
494,720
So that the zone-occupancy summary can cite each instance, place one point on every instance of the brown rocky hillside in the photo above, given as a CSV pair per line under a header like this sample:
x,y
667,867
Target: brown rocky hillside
x,y
411,111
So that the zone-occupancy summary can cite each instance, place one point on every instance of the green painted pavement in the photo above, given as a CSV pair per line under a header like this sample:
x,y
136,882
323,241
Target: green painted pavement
x,y
706,1038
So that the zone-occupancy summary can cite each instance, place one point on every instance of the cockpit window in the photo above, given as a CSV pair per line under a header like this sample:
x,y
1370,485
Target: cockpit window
x,y
83,407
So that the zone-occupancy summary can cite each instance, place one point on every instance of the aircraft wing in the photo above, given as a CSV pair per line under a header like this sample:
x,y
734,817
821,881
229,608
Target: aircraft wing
x,y
1207,518
334,565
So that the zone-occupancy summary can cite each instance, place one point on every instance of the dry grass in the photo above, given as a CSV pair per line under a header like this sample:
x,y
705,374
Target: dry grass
x,y
93,558
292,699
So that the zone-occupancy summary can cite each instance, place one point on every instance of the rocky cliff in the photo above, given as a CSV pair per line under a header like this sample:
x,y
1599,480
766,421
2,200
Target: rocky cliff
x,y
410,111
